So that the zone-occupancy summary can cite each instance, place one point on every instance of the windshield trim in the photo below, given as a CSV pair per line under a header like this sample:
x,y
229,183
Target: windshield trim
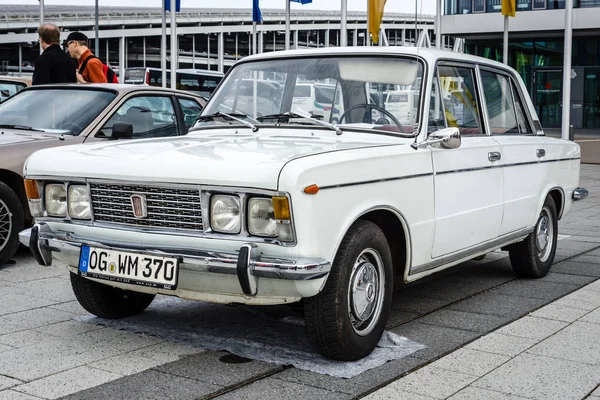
x,y
351,54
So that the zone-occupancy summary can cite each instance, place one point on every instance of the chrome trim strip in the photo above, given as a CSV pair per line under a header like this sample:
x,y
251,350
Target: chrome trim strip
x,y
206,261
505,165
397,178
472,252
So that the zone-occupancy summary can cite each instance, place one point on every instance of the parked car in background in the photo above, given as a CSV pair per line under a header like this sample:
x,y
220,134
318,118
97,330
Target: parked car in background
x,y
10,85
56,115
201,82
275,208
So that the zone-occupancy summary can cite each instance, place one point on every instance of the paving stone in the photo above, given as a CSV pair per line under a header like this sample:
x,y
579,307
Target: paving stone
x,y
23,338
471,362
12,303
568,278
31,319
596,392
498,343
166,351
579,342
583,299
72,307
592,317
559,313
67,382
148,385
67,329
390,394
207,367
540,377
125,364
399,317
356,385
419,305
431,381
535,289
474,393
594,286
447,291
532,328
54,288
464,320
590,259
13,395
270,388
496,304
6,382
438,339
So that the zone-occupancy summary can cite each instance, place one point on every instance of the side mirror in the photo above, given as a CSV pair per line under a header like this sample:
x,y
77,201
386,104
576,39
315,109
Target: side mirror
x,y
447,138
122,131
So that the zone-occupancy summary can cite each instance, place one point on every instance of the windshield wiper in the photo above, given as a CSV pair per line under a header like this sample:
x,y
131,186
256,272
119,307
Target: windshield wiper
x,y
235,117
21,128
301,114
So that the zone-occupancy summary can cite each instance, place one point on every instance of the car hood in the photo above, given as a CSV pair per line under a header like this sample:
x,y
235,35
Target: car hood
x,y
214,157
10,137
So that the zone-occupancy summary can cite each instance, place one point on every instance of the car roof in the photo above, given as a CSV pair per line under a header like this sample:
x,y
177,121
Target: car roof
x,y
27,81
429,54
119,87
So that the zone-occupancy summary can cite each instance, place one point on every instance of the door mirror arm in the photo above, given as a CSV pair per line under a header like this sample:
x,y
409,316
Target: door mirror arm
x,y
448,138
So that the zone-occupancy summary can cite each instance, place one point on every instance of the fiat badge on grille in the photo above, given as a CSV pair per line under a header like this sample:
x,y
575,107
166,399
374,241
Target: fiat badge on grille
x,y
138,203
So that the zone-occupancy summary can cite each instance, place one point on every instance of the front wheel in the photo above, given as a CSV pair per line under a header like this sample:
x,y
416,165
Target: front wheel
x,y
533,257
11,223
107,301
346,320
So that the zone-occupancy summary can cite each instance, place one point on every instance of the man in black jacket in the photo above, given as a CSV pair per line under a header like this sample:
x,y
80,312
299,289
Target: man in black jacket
x,y
54,65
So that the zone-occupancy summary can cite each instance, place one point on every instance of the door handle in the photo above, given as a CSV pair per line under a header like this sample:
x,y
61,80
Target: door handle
x,y
494,156
540,153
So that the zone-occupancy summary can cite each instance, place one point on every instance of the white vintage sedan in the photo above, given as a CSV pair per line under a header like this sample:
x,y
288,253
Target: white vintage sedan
x,y
258,207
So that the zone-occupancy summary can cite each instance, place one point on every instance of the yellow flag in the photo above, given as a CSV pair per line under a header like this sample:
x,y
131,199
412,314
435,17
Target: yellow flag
x,y
375,16
509,8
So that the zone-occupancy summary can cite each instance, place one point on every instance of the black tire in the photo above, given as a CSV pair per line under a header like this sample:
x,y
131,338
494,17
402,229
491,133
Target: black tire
x,y
107,301
529,258
11,223
329,323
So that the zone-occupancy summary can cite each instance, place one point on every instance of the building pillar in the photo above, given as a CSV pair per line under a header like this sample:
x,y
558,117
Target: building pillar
x,y
107,53
296,34
208,51
194,51
144,51
236,46
355,38
260,42
327,38
274,41
20,58
221,52
122,58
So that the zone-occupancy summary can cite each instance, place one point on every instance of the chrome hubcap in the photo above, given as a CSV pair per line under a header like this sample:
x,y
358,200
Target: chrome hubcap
x,y
5,224
544,235
366,292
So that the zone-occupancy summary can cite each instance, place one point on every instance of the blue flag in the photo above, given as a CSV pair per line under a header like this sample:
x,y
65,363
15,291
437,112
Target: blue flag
x,y
301,1
256,14
177,5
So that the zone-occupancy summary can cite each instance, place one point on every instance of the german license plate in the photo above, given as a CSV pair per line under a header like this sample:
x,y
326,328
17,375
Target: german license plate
x,y
126,267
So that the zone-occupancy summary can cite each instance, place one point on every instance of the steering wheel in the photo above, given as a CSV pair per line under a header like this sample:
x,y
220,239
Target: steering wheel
x,y
371,106
73,127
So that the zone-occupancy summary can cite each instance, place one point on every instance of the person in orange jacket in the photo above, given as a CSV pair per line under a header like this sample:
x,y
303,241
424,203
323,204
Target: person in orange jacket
x,y
90,67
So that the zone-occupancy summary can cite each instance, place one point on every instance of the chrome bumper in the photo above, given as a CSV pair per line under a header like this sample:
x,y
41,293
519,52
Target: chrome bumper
x,y
580,194
247,263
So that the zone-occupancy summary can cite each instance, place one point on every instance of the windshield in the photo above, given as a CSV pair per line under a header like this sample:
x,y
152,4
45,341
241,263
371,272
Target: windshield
x,y
349,91
64,111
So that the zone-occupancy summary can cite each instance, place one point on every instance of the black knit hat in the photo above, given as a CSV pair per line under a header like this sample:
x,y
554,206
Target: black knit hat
x,y
80,37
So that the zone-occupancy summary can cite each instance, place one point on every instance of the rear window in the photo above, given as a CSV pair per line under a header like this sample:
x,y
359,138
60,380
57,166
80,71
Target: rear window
x,y
302,91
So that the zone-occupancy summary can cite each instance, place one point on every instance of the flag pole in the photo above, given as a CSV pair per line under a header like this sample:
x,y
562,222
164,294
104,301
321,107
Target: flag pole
x,y
368,36
42,11
174,46
343,28
287,24
254,45
163,44
505,47
96,27
566,95
438,24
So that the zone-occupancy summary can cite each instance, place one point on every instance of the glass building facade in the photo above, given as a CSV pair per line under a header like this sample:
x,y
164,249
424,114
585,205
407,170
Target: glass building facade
x,y
538,58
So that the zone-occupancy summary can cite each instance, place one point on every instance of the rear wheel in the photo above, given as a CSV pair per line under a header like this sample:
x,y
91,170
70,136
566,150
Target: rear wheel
x,y
11,223
533,257
346,320
107,301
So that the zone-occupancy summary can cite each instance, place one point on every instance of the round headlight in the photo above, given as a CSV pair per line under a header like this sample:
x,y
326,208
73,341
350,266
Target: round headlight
x,y
261,217
225,214
79,202
56,200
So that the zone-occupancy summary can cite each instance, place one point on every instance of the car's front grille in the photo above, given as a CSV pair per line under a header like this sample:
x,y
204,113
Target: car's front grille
x,y
166,207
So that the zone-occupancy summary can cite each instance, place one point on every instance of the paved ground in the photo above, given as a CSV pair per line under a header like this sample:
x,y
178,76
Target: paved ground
x,y
44,353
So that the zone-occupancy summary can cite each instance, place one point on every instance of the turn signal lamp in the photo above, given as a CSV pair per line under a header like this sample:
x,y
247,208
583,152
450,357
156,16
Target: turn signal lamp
x,y
31,189
312,189
281,208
